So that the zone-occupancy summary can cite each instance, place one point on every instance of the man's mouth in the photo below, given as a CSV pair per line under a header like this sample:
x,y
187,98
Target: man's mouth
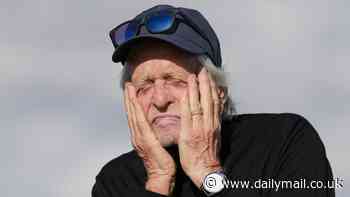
x,y
164,120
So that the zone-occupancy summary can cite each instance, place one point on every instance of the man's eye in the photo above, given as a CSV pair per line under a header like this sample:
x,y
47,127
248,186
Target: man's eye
x,y
177,83
143,89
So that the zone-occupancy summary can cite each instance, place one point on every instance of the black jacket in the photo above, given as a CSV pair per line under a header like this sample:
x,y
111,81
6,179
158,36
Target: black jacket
x,y
255,147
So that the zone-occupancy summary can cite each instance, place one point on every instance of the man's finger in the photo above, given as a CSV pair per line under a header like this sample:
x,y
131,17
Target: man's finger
x,y
130,117
195,106
186,118
216,101
141,120
206,99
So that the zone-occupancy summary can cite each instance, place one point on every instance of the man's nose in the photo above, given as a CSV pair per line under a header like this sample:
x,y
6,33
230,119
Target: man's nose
x,y
161,97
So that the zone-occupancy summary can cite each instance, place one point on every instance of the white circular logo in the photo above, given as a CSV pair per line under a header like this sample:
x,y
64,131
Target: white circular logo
x,y
213,183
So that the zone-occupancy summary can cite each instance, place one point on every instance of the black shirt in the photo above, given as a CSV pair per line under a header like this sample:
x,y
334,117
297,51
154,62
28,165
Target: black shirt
x,y
265,147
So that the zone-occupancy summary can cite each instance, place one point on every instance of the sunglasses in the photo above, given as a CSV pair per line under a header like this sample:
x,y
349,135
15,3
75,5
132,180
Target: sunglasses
x,y
163,21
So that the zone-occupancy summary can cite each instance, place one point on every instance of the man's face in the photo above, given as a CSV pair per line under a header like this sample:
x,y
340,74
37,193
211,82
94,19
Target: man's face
x,y
159,73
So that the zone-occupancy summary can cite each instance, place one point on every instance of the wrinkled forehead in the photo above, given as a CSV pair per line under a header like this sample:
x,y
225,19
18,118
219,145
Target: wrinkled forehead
x,y
151,51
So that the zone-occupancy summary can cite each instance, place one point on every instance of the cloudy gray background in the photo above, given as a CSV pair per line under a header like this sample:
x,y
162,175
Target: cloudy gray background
x,y
61,114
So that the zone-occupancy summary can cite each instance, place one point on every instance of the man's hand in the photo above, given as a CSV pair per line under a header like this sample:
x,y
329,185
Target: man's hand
x,y
159,164
200,128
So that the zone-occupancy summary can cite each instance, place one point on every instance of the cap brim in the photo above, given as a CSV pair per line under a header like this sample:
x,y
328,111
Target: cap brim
x,y
120,54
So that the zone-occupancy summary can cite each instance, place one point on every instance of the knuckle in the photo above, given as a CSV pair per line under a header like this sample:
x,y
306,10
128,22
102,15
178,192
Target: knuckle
x,y
216,101
197,132
133,100
137,147
207,129
205,79
142,122
210,102
193,139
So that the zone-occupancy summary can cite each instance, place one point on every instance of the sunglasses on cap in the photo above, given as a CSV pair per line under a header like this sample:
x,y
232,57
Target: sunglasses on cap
x,y
156,22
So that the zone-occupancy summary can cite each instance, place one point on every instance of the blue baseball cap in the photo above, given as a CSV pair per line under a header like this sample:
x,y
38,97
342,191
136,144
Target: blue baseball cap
x,y
184,28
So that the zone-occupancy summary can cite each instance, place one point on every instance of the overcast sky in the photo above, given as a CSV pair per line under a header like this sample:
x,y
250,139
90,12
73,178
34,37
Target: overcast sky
x,y
61,114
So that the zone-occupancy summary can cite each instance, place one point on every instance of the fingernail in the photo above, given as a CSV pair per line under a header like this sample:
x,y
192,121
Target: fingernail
x,y
204,69
195,79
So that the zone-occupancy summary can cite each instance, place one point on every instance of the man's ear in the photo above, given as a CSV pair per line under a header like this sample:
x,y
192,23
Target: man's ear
x,y
222,93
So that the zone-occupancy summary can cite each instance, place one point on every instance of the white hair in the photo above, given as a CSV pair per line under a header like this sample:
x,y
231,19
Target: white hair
x,y
218,74
220,78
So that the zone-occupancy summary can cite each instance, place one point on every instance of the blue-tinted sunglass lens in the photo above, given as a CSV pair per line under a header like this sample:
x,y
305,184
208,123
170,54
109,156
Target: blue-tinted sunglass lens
x,y
118,35
123,33
159,22
130,31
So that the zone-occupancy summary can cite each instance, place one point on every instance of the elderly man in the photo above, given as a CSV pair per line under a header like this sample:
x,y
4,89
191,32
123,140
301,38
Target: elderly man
x,y
187,140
